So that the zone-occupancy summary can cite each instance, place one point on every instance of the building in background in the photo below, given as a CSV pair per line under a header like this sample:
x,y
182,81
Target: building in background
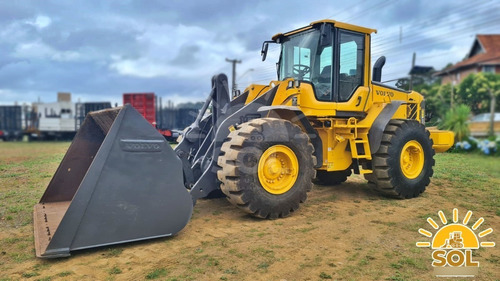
x,y
484,56
11,122
57,119
417,75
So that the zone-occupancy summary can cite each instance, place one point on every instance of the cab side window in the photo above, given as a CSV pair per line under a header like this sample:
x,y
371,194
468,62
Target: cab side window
x,y
323,81
302,62
351,63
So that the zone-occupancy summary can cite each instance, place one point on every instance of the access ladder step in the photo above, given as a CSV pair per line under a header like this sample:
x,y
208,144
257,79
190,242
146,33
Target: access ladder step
x,y
363,157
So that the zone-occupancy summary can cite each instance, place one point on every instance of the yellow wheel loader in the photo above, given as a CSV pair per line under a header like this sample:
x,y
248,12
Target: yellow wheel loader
x,y
325,117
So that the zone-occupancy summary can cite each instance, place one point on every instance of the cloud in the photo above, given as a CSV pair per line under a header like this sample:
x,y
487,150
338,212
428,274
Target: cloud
x,y
182,52
41,21
100,49
40,51
187,55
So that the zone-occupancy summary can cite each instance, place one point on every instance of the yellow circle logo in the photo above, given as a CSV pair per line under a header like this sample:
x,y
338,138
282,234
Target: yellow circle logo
x,y
453,243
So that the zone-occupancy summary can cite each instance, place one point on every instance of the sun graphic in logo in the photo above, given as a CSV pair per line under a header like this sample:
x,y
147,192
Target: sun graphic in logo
x,y
453,244
456,235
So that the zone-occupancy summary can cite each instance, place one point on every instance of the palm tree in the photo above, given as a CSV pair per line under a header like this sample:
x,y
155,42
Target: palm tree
x,y
456,121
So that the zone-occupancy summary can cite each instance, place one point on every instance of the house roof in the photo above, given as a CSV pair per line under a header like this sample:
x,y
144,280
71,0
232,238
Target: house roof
x,y
421,70
485,51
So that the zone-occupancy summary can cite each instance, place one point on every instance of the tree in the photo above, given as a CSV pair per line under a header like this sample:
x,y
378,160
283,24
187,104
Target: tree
x,y
488,85
475,89
443,97
456,121
403,83
467,93
428,86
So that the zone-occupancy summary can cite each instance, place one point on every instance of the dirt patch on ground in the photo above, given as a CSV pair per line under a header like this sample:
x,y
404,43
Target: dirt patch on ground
x,y
344,232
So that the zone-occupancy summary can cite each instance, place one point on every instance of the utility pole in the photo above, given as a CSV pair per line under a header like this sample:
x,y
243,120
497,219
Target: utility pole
x,y
160,111
412,66
400,34
452,85
234,62
491,132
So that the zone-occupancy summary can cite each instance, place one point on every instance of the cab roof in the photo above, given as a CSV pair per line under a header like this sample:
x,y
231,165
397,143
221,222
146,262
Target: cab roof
x,y
338,24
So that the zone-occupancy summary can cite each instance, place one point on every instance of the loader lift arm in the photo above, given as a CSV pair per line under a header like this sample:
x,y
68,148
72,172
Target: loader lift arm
x,y
201,146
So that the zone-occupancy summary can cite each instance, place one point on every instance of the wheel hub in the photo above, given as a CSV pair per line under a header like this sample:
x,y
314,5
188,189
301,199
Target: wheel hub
x,y
278,169
412,159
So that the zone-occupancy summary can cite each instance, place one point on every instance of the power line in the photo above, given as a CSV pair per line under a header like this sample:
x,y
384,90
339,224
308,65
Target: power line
x,y
419,34
368,9
424,23
456,30
438,33
418,43
345,10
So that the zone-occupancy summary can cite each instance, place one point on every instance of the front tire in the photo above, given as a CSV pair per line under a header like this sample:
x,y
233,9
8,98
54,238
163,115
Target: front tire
x,y
402,167
267,167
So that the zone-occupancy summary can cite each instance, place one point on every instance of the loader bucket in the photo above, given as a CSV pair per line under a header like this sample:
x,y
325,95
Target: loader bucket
x,y
120,181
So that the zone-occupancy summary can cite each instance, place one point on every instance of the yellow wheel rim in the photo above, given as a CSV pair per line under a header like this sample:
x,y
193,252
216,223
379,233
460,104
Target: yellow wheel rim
x,y
412,159
278,169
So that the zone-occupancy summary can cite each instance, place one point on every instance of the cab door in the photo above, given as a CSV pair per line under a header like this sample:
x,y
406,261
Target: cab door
x,y
351,86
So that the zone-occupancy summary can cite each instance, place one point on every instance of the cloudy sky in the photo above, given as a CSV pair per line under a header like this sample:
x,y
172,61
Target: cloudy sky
x,y
98,50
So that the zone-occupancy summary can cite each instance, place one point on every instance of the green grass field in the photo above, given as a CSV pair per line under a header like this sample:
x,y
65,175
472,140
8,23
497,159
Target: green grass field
x,y
346,232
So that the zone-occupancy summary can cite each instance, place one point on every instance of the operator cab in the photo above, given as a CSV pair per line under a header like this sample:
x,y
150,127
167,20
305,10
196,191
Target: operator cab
x,y
328,54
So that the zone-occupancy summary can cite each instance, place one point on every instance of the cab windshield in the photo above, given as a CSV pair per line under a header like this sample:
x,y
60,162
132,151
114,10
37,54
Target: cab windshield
x,y
302,59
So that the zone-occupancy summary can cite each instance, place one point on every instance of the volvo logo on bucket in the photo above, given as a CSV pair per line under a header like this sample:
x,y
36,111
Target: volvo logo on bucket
x,y
141,145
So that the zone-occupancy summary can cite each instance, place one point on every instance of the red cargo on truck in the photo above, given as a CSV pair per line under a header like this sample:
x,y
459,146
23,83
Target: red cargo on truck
x,y
144,103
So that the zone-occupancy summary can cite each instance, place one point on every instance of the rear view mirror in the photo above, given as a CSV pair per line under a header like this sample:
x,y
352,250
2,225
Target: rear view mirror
x,y
265,46
263,52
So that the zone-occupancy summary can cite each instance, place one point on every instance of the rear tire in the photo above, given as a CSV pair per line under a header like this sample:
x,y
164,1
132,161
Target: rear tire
x,y
402,167
285,157
331,178
369,177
